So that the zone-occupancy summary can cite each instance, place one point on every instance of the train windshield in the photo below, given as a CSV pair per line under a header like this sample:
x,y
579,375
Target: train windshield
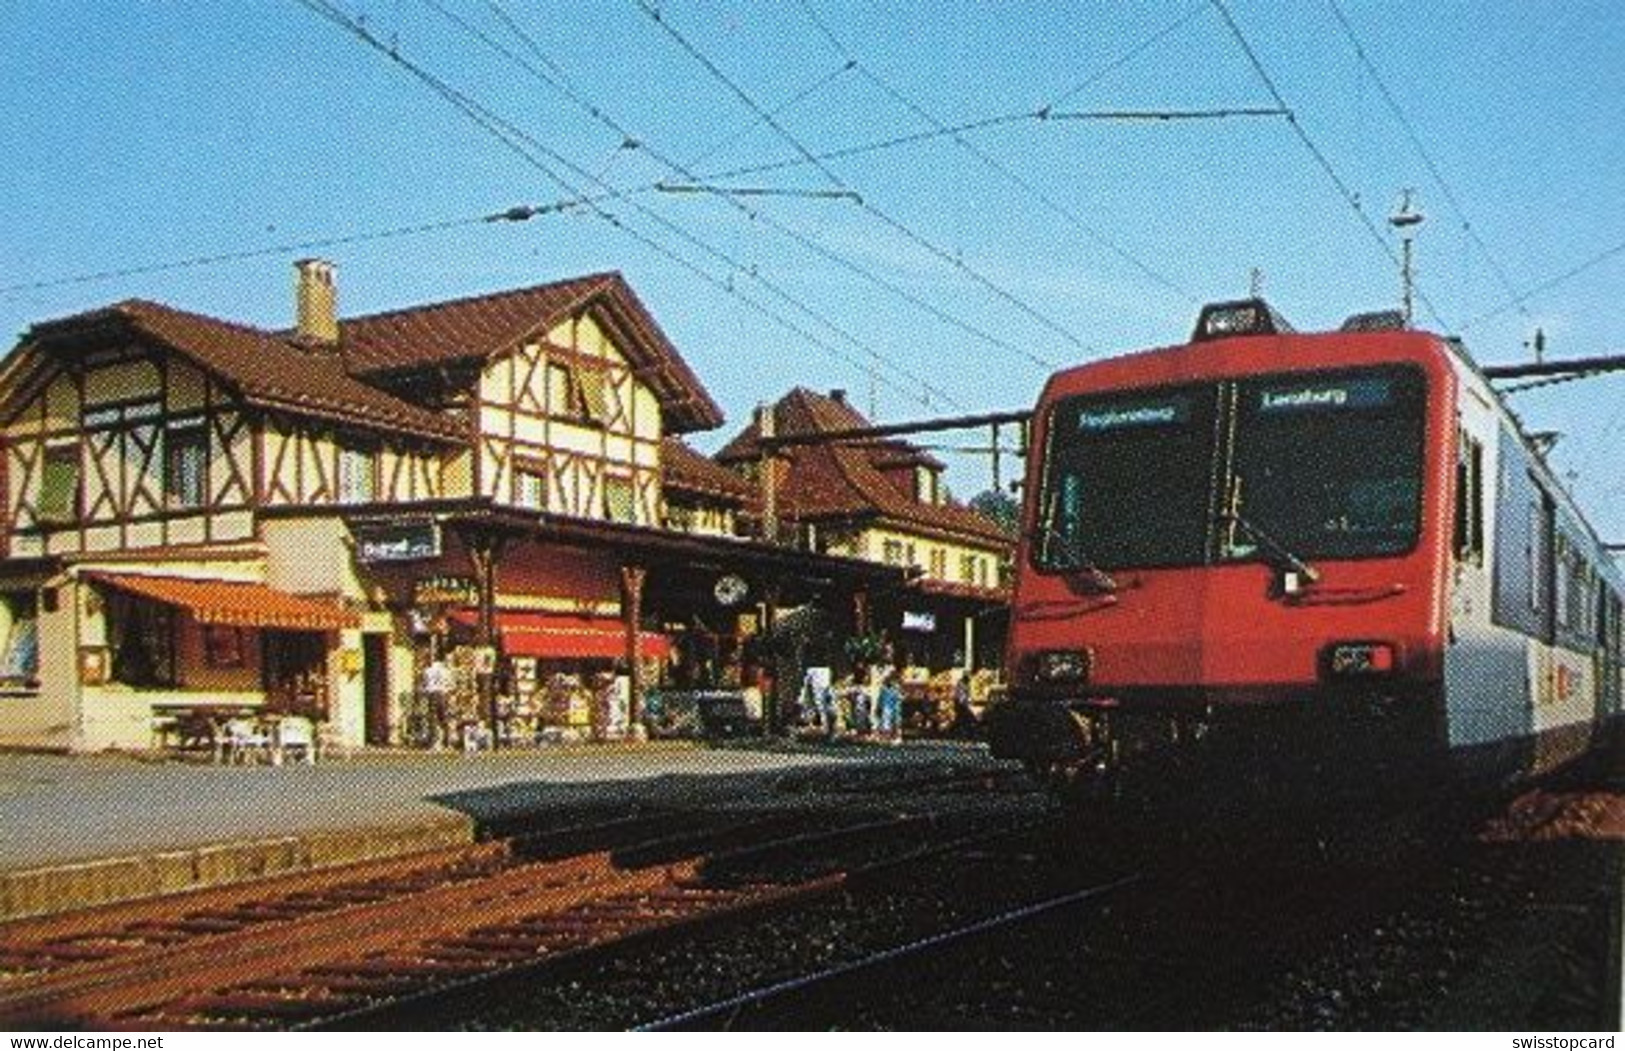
x,y
1330,464
1324,465
1128,481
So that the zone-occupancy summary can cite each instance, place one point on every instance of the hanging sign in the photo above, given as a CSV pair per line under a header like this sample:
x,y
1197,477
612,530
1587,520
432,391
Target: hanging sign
x,y
445,591
922,621
396,540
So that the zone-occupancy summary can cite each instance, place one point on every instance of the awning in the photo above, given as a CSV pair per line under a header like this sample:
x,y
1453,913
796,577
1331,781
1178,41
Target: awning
x,y
233,602
565,635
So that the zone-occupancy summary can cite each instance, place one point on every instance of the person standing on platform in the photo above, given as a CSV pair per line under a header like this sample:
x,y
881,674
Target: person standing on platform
x,y
889,703
436,685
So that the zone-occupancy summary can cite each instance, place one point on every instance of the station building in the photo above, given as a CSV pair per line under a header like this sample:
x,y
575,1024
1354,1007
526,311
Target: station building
x,y
200,514
884,501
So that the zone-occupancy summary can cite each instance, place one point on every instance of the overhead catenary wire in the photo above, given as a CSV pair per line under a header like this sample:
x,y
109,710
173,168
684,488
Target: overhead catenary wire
x,y
528,149
1547,285
1422,151
554,77
283,248
956,133
903,229
1350,198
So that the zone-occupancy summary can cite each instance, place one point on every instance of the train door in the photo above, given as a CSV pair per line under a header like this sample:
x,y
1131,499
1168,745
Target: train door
x,y
1611,652
1486,673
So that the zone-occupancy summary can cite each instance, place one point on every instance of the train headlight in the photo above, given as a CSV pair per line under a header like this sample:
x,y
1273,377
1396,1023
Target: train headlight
x,y
1360,658
1058,666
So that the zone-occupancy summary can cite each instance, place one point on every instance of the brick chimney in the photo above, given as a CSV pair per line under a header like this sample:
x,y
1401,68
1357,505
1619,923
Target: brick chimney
x,y
316,302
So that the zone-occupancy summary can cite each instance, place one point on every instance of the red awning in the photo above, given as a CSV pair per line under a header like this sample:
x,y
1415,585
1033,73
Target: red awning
x,y
233,602
565,635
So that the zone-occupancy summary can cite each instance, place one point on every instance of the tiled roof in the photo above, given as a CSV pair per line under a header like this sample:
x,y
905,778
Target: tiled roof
x,y
267,369
685,470
481,326
826,481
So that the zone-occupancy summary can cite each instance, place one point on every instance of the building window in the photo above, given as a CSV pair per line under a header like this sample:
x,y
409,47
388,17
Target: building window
x,y
186,457
19,661
142,635
576,393
358,475
594,403
925,485
620,504
939,563
892,552
59,485
530,484
561,390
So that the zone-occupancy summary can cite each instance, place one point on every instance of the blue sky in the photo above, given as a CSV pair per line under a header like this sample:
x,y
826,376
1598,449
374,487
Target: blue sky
x,y
944,274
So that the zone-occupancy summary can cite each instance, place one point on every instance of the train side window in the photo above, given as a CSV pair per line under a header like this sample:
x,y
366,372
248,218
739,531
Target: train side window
x,y
1537,555
1565,583
1469,500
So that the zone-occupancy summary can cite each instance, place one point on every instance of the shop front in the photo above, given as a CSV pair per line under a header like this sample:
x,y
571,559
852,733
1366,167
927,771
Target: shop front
x,y
115,657
557,629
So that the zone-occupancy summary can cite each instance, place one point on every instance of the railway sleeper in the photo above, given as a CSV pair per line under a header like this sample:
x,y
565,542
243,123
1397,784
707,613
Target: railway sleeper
x,y
373,987
501,943
416,967
36,957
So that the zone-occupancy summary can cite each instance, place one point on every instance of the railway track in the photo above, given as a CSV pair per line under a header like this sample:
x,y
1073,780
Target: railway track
x,y
340,947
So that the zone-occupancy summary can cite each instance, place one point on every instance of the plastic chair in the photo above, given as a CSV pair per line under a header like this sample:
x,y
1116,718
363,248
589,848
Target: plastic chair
x,y
245,742
295,736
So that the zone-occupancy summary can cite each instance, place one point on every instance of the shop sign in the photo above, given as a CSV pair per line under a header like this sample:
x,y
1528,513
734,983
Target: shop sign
x,y
445,591
396,540
924,621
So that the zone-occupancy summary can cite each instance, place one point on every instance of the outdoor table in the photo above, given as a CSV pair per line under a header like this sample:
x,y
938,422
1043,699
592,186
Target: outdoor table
x,y
204,723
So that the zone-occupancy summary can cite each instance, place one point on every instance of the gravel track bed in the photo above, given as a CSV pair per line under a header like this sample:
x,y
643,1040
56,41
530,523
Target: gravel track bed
x,y
1445,927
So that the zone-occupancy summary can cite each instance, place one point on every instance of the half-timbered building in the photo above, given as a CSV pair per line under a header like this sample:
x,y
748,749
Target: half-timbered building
x,y
203,514
884,501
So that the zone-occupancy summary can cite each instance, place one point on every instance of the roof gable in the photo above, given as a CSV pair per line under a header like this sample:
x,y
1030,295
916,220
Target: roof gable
x,y
267,370
849,480
484,326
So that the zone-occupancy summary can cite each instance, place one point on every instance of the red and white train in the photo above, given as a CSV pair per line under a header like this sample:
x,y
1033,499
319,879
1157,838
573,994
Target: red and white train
x,y
1331,560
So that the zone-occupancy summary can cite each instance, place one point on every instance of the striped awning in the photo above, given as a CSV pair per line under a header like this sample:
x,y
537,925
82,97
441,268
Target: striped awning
x,y
233,602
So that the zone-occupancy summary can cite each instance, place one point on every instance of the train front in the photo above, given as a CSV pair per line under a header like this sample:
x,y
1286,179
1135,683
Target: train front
x,y
1234,563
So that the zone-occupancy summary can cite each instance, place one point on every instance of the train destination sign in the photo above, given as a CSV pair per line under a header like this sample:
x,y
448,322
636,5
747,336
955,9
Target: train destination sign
x,y
1311,397
1141,414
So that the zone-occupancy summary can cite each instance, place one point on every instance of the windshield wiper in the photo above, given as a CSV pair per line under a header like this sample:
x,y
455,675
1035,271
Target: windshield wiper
x,y
1282,553
1075,559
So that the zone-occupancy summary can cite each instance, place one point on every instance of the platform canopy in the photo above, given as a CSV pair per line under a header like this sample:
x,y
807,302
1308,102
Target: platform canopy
x,y
235,603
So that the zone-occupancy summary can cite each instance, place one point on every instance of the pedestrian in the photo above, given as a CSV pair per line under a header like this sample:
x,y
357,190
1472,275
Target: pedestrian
x,y
814,695
436,685
964,723
834,700
890,705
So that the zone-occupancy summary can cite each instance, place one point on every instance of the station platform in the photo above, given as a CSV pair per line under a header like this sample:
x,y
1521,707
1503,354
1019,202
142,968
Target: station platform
x,y
91,829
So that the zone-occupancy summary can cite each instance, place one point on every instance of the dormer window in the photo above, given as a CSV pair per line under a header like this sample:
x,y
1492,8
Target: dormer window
x,y
925,485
